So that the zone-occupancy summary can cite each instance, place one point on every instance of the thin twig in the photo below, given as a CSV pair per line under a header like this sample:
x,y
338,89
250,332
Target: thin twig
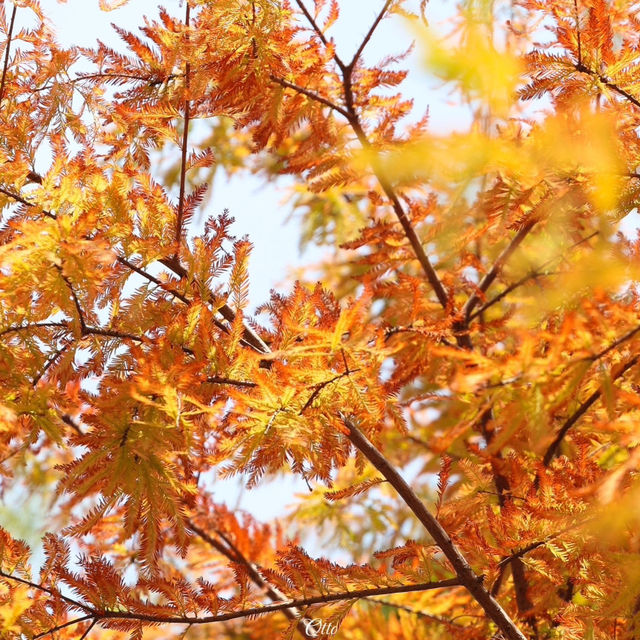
x,y
578,413
5,66
415,612
64,625
365,41
310,94
495,270
230,381
52,592
316,28
577,18
537,273
607,82
183,158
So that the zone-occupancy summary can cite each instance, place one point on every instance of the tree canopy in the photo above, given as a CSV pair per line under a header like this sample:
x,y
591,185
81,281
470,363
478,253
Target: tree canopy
x,y
457,385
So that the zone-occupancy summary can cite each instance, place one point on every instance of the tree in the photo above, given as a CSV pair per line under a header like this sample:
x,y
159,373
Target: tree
x,y
477,330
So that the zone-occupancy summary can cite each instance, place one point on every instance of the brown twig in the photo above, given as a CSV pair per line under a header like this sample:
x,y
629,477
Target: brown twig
x,y
365,41
5,66
537,273
356,594
69,623
495,270
52,592
183,156
607,83
310,94
316,28
230,381
578,413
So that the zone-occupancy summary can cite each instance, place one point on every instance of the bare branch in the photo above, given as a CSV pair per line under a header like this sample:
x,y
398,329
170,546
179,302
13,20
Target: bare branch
x,y
365,41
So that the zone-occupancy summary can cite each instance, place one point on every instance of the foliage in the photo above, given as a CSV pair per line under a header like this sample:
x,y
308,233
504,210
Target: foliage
x,y
476,329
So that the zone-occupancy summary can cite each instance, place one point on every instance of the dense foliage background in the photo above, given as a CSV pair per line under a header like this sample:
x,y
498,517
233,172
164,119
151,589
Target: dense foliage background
x,y
475,331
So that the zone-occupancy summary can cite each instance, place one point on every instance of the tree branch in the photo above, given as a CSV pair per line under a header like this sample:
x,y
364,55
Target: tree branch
x,y
607,83
493,273
231,552
538,272
578,413
52,592
250,339
280,606
367,37
183,156
5,66
310,94
466,576
64,625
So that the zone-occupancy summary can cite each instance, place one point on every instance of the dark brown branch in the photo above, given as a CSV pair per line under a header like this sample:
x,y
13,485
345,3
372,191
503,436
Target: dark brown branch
x,y
65,625
352,117
608,83
495,270
310,94
466,576
67,419
183,157
578,413
365,40
231,552
50,361
86,633
320,386
151,80
398,209
230,381
34,325
250,338
5,66
512,287
505,495
616,343
52,592
537,273
578,34
357,594
26,203
74,297
415,612
151,278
